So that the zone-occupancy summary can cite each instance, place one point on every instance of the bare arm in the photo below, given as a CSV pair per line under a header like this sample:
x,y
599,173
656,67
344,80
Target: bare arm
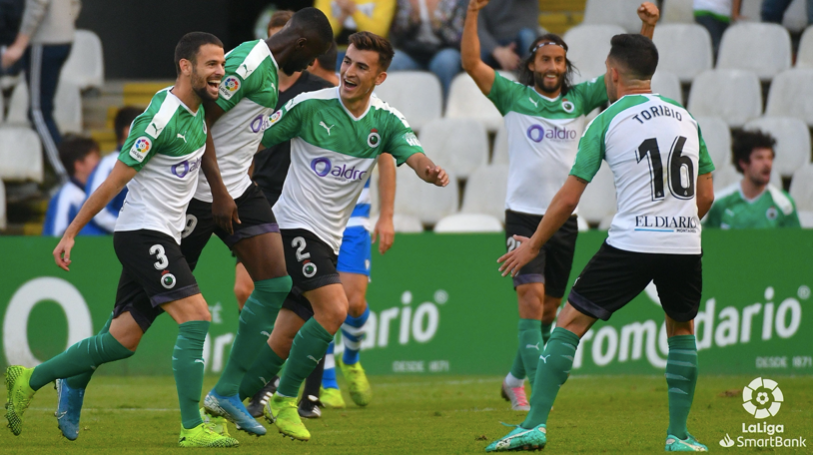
x,y
384,229
482,74
705,194
224,209
559,210
112,186
649,15
427,170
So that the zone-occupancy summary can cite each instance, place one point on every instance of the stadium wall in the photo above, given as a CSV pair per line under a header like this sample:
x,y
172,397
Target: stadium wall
x,y
439,306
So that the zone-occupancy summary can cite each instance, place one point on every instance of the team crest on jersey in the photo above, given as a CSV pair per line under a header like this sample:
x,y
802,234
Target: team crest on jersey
x,y
168,280
771,213
374,138
229,87
568,106
309,269
140,148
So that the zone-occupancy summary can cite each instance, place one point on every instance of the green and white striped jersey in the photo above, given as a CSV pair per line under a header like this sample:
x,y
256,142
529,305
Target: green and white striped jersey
x,y
656,151
165,146
248,94
333,154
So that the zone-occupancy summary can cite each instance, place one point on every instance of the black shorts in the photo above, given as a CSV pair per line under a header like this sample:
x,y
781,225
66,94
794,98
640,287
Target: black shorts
x,y
613,277
154,272
552,266
311,264
256,218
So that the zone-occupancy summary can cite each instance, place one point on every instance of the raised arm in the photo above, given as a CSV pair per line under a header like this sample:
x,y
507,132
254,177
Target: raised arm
x,y
384,228
224,209
482,74
427,170
649,15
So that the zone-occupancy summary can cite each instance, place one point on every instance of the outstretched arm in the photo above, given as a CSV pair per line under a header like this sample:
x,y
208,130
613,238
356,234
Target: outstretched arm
x,y
224,209
482,74
649,15
427,170
384,230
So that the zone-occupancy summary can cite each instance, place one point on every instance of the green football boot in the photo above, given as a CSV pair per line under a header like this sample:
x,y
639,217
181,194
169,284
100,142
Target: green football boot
x,y
284,413
360,391
203,436
521,439
19,396
216,423
331,398
690,444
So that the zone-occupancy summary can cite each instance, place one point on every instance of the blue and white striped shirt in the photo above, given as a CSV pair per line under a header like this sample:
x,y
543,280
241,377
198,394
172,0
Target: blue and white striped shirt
x,y
361,212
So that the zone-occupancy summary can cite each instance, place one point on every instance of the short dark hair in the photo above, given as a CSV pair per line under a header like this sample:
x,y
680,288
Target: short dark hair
x,y
636,53
189,45
328,60
75,148
313,20
745,142
366,41
526,76
279,19
124,118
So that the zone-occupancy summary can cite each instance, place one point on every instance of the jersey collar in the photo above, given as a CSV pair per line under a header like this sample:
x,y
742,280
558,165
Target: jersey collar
x,y
169,92
545,97
355,119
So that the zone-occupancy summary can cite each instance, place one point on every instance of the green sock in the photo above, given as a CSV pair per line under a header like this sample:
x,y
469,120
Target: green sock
x,y
681,377
546,332
256,323
187,363
266,365
554,367
530,345
310,345
82,357
80,381
518,368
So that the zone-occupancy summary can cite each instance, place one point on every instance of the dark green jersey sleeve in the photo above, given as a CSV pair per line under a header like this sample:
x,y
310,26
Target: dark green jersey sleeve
x,y
593,93
402,141
285,124
140,147
504,93
715,216
591,149
705,164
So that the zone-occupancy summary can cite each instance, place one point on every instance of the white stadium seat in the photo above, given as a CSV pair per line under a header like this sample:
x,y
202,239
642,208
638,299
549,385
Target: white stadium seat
x,y
795,18
791,95
805,219
582,224
801,188
718,140
85,64
500,153
667,84
2,206
598,200
683,49
677,11
485,191
804,58
468,222
733,95
792,142
425,201
458,145
618,12
416,94
406,223
2,107
727,175
588,46
606,222
18,105
467,101
67,106
20,154
764,49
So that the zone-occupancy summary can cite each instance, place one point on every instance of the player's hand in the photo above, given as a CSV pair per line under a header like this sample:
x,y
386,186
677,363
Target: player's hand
x,y
477,5
385,233
224,211
62,253
437,176
507,57
11,55
649,13
516,259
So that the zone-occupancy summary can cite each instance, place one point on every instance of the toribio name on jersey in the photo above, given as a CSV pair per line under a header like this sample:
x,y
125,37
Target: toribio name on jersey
x,y
537,133
322,167
657,111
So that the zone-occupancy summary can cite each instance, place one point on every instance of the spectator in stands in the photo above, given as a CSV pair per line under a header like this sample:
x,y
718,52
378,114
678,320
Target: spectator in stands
x,y
753,202
507,29
716,16
426,34
79,155
43,43
105,221
350,16
774,10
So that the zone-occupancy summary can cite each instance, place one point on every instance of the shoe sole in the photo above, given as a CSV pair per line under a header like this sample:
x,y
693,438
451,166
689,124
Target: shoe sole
x,y
211,406
56,413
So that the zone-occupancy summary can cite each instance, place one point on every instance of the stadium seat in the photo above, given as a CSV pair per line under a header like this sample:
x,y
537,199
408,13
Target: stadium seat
x,y
791,95
500,153
2,206
458,145
468,222
85,64
805,219
582,224
18,105
617,12
467,101
606,222
416,94
764,49
801,188
718,140
485,191
588,46
727,175
804,57
795,18
67,106
406,223
733,95
667,84
677,12
2,108
598,200
683,49
792,142
20,154
425,201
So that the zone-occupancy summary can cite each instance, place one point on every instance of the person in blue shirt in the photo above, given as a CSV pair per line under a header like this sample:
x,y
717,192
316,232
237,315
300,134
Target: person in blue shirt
x,y
79,155
104,222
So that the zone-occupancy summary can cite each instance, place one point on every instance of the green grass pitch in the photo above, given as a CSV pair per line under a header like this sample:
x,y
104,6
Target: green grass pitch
x,y
424,415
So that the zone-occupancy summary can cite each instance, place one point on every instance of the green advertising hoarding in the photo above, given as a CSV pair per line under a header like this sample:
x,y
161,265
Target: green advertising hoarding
x,y
440,306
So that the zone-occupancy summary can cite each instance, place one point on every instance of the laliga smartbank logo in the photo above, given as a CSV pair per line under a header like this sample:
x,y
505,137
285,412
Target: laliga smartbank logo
x,y
762,398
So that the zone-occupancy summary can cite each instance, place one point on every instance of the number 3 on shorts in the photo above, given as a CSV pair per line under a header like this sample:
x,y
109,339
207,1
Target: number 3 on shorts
x,y
158,251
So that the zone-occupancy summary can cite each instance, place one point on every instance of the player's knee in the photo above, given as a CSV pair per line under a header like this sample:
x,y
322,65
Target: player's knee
x,y
356,305
242,291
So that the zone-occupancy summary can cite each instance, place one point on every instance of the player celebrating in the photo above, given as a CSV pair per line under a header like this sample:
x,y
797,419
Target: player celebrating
x,y
545,116
663,183
336,136
161,160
